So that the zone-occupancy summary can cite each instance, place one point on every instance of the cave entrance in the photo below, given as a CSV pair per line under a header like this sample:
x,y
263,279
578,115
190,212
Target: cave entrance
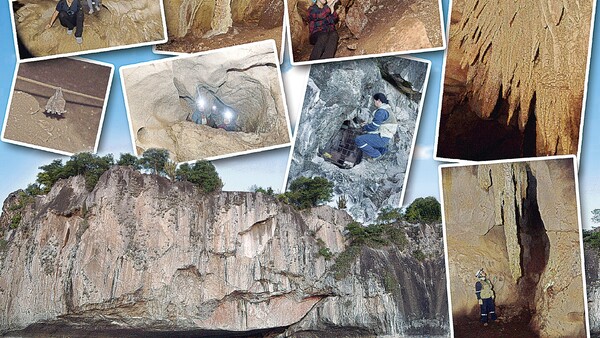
x,y
341,149
208,109
535,245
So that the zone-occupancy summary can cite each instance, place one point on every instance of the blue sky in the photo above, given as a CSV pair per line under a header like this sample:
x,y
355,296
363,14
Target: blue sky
x,y
19,165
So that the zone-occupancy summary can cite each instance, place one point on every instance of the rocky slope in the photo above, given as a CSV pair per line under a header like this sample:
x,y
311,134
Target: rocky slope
x,y
519,221
141,20
514,71
140,255
592,280
342,92
246,80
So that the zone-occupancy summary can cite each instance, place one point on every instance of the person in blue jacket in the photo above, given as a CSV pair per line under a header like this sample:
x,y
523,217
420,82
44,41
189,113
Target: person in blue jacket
x,y
70,14
485,297
381,129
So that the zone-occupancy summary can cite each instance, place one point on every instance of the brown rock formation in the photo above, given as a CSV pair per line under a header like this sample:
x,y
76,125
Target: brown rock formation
x,y
246,80
372,27
519,222
198,25
514,78
119,23
142,255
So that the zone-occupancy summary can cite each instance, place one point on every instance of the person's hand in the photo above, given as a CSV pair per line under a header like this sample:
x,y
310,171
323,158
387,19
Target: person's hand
x,y
331,3
480,301
48,26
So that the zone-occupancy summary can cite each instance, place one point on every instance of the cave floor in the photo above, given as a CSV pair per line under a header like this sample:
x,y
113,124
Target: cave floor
x,y
237,35
504,326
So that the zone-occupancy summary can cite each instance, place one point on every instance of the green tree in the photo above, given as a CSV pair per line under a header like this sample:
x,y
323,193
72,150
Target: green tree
x,y
171,170
202,173
89,165
49,175
309,192
596,215
154,160
127,159
423,210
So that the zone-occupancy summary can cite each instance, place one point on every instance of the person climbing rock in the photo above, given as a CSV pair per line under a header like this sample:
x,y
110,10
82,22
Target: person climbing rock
x,y
94,4
322,18
70,14
485,297
381,129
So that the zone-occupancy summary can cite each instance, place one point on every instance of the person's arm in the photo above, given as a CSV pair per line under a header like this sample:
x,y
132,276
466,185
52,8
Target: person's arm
x,y
315,13
54,16
478,292
380,116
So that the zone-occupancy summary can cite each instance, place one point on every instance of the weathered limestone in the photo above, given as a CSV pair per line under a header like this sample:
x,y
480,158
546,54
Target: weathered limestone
x,y
142,254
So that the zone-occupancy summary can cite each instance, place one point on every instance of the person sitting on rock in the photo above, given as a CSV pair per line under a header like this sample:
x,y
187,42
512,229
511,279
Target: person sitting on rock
x,y
70,14
91,6
381,129
485,297
321,24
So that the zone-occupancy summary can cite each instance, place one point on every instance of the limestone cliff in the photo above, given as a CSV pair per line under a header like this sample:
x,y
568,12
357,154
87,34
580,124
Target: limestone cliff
x,y
140,255
518,221
592,280
515,70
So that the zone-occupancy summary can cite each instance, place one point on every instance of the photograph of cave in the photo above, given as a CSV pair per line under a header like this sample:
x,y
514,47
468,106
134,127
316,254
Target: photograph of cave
x,y
218,104
51,110
337,111
514,248
363,27
42,30
515,79
200,25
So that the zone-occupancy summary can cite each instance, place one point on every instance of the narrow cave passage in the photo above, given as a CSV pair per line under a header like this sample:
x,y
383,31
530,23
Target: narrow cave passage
x,y
341,149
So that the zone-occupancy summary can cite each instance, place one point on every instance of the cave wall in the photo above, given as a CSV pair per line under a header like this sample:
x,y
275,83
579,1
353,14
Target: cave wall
x,y
517,61
481,204
247,80
340,92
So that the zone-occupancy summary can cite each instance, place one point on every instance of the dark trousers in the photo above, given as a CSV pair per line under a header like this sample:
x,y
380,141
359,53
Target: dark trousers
x,y
488,310
372,144
325,45
72,21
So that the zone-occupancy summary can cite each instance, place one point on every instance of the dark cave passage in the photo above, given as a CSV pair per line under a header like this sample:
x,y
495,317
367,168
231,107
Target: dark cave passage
x,y
535,245
463,135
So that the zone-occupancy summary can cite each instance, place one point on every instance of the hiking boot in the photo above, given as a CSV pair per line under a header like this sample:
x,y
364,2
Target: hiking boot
x,y
79,39
91,11
97,8
69,31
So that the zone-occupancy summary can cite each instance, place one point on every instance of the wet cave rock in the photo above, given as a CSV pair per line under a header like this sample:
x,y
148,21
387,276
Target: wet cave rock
x,y
338,97
209,105
519,222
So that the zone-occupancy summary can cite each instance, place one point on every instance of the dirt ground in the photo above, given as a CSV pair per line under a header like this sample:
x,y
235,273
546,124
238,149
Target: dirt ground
x,y
237,35
510,323
393,26
77,130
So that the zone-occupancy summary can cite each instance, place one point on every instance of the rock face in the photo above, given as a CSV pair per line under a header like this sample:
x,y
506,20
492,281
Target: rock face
x,y
140,254
341,92
246,80
592,281
514,71
519,222
141,20
198,25
372,27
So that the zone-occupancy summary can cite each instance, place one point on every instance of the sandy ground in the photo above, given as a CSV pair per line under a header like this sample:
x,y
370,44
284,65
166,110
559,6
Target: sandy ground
x,y
419,23
510,323
77,130
237,35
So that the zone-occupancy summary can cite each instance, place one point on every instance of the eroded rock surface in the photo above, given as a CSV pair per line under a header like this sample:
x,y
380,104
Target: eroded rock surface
x,y
141,254
118,23
519,222
246,80
521,67
592,280
341,92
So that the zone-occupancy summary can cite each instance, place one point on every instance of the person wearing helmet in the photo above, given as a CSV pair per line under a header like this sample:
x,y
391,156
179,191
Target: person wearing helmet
x,y
485,297
321,25
381,129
